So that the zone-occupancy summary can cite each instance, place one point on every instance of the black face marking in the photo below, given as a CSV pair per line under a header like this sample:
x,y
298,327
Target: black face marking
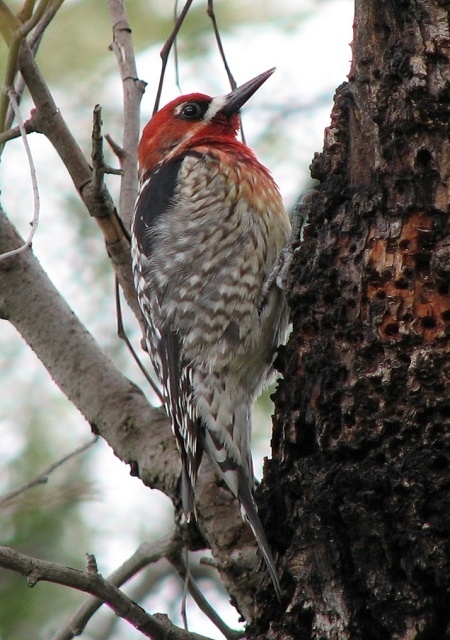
x,y
194,110
154,200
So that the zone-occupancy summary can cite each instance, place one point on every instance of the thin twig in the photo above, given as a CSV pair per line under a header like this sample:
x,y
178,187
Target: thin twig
x,y
211,14
123,336
35,221
146,554
177,561
140,589
175,50
42,478
98,162
34,40
184,553
157,627
50,11
16,36
91,565
165,51
26,11
115,148
99,166
15,132
50,122
9,27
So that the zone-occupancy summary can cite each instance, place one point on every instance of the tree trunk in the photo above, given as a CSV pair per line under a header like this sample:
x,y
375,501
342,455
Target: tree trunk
x,y
361,473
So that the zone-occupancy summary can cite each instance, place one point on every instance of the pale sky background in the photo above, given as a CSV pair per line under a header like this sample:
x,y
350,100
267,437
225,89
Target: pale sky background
x,y
312,59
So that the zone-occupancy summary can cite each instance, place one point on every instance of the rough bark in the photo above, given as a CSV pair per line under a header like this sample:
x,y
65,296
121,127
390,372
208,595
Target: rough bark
x,y
362,439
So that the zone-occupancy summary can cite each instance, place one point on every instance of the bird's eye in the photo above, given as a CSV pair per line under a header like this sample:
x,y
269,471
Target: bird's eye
x,y
192,111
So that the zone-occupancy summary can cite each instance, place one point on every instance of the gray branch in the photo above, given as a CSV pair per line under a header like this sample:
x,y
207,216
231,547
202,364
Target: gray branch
x,y
49,121
146,554
114,407
157,627
133,90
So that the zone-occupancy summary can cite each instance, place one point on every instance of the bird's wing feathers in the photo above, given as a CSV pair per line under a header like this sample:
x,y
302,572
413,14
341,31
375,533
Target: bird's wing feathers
x,y
155,197
176,379
173,371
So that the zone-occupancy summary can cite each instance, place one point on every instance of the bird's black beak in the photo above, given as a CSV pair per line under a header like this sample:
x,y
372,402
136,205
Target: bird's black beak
x,y
239,96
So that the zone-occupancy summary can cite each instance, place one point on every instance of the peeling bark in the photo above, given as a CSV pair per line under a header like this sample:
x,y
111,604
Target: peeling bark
x,y
362,439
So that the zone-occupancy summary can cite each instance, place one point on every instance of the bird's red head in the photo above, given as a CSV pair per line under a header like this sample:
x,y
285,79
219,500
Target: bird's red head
x,y
191,120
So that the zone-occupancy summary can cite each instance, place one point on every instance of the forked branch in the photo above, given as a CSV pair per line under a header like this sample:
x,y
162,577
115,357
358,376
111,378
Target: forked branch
x,y
157,627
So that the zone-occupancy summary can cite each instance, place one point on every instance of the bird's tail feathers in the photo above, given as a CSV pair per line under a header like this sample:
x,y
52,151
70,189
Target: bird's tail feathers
x,y
187,495
250,511
240,480
189,471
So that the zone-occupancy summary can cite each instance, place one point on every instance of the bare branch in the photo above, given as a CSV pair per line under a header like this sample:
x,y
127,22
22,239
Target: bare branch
x,y
34,40
42,478
146,554
104,627
30,19
211,13
116,148
157,627
165,51
50,11
16,132
97,157
50,122
99,166
133,90
9,28
16,33
175,50
115,408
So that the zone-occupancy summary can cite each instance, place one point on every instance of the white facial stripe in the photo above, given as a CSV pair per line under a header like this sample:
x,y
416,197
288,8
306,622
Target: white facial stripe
x,y
215,106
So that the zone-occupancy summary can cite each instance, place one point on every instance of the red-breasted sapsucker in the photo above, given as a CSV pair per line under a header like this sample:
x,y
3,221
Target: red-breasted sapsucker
x,y
208,228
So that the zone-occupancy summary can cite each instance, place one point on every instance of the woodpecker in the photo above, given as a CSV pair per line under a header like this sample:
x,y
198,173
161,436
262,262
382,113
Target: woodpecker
x,y
208,228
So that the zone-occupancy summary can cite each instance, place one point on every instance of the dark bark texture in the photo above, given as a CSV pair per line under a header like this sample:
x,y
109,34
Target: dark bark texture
x,y
361,470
